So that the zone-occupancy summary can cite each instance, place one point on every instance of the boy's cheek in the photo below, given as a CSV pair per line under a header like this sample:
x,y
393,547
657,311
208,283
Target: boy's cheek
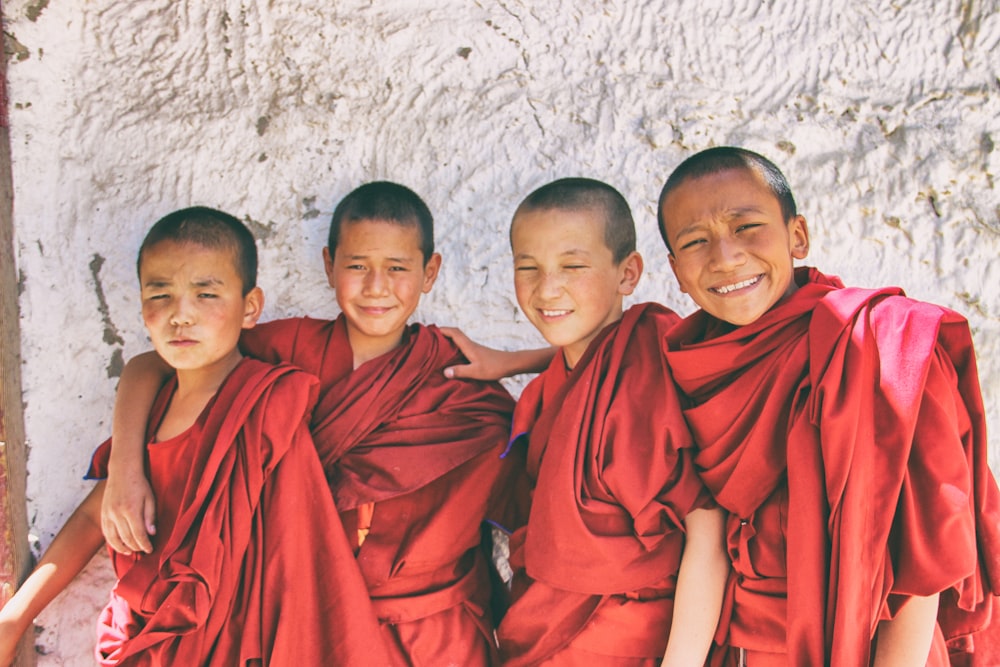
x,y
149,314
680,275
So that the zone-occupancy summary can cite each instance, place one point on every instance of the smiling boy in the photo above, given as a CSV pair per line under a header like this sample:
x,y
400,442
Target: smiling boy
x,y
841,428
623,545
412,458
238,481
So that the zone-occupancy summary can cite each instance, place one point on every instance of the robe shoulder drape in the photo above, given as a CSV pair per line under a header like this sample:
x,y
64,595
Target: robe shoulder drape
x,y
251,565
611,462
413,461
844,432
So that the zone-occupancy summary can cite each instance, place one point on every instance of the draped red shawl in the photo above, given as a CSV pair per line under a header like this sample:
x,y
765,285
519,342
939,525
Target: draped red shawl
x,y
420,455
395,423
830,386
255,568
610,457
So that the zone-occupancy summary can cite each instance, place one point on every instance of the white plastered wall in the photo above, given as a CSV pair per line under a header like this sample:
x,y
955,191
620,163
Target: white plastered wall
x,y
883,116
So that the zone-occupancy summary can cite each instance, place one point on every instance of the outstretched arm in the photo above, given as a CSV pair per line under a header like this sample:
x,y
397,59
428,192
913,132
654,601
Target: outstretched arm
x,y
70,551
486,363
906,639
128,513
701,583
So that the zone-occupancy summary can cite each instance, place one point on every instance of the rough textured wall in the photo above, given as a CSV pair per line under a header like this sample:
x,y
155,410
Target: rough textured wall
x,y
884,117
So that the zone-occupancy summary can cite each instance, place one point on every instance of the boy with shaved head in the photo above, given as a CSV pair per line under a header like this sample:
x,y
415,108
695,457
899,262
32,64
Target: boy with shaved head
x,y
412,458
842,428
240,574
623,546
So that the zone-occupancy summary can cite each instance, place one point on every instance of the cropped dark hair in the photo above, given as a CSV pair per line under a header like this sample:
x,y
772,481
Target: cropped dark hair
x,y
576,194
209,228
386,202
724,158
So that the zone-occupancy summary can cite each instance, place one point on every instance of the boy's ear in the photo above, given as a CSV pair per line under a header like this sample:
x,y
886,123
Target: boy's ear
x,y
431,269
798,237
629,272
328,266
253,306
673,267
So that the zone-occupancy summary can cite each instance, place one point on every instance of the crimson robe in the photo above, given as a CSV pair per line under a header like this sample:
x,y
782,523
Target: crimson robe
x,y
844,432
413,461
611,461
250,565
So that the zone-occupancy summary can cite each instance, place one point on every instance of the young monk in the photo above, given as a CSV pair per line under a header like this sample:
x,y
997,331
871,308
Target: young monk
x,y
841,428
238,574
412,458
623,544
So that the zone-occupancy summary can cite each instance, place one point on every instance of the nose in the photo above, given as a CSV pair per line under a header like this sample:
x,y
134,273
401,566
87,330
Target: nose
x,y
727,254
376,283
550,285
183,313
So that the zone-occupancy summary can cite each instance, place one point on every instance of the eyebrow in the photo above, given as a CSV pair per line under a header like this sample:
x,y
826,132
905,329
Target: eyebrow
x,y
401,260
729,214
567,253
210,281
690,229
743,211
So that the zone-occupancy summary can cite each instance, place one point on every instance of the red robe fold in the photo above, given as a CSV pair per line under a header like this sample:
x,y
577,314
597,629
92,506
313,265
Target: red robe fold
x,y
251,565
609,453
845,433
413,461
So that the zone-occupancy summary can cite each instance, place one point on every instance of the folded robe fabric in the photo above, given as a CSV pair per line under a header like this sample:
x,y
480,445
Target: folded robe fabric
x,y
251,565
413,460
611,461
844,431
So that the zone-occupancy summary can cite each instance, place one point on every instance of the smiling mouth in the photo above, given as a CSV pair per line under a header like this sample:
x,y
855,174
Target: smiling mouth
x,y
553,313
726,289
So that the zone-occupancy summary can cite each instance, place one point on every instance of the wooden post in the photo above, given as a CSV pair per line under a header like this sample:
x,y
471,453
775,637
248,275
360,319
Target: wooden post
x,y
15,557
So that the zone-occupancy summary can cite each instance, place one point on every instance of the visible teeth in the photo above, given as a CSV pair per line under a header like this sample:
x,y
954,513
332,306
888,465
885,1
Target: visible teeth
x,y
735,286
554,313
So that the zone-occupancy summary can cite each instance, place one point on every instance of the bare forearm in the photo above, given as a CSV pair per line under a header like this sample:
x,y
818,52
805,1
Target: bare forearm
x,y
906,639
701,582
141,379
486,363
526,361
70,551
129,512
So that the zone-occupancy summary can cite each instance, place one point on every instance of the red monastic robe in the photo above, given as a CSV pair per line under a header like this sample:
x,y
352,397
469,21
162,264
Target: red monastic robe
x,y
413,461
611,461
251,566
844,431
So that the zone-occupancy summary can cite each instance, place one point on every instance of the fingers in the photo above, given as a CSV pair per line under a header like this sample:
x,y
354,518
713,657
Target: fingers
x,y
139,515
136,536
127,524
133,535
456,335
457,371
111,535
468,347
149,517
464,344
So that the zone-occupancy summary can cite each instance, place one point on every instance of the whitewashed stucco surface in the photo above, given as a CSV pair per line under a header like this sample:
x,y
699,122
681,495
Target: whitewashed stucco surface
x,y
884,116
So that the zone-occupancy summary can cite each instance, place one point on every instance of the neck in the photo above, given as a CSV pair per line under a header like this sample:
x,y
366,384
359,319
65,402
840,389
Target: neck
x,y
205,381
365,348
574,351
